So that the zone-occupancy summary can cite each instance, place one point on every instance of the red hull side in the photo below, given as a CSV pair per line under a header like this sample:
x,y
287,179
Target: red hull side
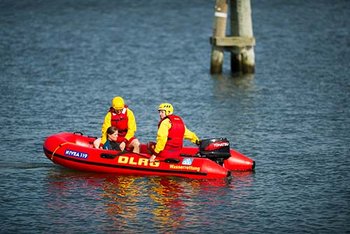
x,y
239,162
75,151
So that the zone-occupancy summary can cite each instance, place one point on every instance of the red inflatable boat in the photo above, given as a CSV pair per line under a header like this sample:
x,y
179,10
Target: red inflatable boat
x,y
213,158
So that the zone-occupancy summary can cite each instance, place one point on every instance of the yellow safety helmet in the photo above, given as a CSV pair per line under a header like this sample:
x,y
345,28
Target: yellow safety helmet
x,y
118,103
167,107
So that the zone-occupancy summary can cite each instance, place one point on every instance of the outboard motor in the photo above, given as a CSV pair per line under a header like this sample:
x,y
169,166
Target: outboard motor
x,y
216,149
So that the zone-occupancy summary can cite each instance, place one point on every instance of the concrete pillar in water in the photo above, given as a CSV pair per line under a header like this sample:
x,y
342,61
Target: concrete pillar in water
x,y
242,58
219,30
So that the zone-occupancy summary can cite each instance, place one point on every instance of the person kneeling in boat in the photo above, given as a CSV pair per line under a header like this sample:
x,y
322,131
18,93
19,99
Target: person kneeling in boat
x,y
121,117
171,133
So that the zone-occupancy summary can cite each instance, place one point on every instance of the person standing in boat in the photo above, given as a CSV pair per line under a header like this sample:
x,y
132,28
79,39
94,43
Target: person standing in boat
x,y
171,133
112,139
121,117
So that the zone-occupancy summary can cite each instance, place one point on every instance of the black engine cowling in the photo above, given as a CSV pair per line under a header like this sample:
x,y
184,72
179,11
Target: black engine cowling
x,y
216,149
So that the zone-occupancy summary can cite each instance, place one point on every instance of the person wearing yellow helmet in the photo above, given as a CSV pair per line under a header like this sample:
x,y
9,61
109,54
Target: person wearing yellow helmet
x,y
171,133
121,117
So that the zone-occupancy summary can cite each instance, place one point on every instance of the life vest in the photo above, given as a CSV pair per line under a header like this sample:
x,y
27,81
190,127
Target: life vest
x,y
176,133
120,121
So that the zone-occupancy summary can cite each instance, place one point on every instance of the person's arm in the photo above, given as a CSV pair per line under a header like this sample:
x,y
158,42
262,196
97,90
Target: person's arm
x,y
191,136
106,124
162,135
131,125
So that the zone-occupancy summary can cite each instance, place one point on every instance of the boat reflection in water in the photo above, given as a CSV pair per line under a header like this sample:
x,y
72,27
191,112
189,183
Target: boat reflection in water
x,y
124,202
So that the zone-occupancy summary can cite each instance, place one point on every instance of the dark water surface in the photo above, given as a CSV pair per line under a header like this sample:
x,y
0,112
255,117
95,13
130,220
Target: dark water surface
x,y
62,62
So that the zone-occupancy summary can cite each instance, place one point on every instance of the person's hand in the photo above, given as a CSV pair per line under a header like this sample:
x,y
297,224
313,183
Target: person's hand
x,y
122,146
152,158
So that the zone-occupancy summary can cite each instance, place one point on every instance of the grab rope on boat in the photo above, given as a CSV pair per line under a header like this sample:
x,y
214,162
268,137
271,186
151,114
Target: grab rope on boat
x,y
59,146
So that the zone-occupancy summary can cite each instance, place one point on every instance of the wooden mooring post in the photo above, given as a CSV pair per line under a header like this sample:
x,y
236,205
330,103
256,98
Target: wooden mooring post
x,y
241,41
